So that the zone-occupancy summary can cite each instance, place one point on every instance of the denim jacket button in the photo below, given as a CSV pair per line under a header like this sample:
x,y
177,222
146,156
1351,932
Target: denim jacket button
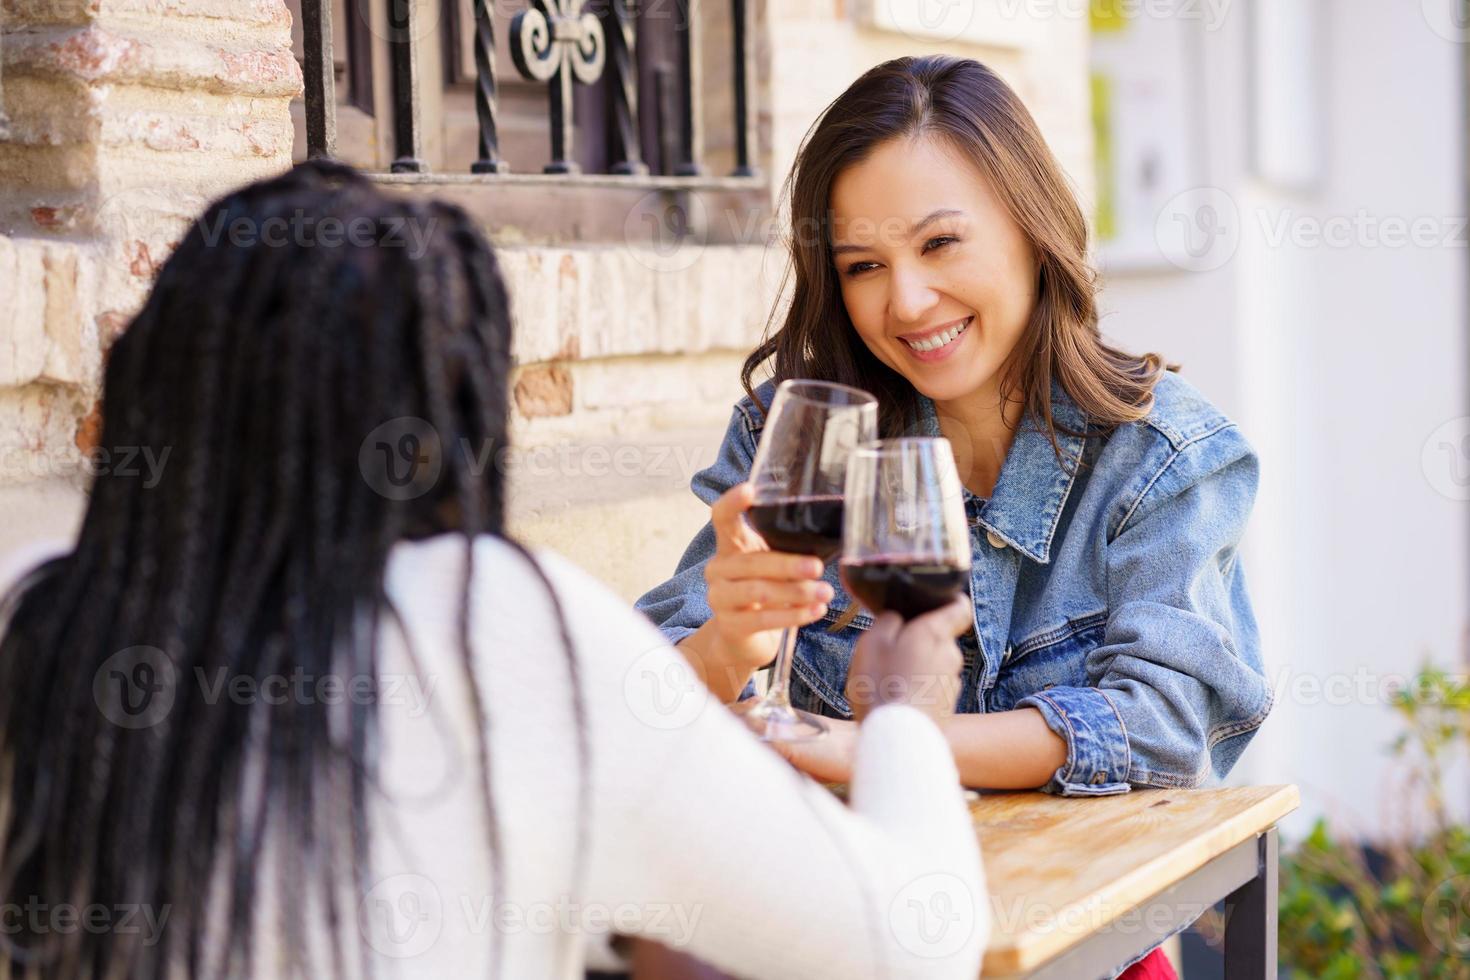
x,y
1099,778
996,541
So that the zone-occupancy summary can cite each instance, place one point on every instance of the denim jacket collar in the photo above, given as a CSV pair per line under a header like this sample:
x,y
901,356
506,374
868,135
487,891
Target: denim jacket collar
x,y
1033,485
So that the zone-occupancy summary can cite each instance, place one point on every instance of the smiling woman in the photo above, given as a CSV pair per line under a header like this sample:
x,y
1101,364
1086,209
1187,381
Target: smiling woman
x,y
913,293
1113,643
938,207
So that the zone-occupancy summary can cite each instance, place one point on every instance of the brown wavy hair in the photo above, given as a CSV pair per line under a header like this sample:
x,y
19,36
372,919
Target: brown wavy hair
x,y
967,104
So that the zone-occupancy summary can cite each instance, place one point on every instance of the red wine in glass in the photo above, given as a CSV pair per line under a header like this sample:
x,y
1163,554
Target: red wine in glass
x,y
799,475
800,525
908,586
906,543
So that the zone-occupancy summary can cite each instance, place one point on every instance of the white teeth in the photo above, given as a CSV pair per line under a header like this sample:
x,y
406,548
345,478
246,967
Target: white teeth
x,y
939,340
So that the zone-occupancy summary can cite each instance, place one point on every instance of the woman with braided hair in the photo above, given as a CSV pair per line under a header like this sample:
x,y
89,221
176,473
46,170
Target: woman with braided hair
x,y
298,705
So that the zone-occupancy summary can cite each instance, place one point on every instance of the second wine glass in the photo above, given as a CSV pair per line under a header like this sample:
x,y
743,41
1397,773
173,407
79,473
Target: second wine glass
x,y
799,475
906,546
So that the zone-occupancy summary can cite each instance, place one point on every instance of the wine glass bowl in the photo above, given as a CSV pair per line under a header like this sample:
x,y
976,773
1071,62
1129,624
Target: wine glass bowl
x,y
800,477
800,525
906,545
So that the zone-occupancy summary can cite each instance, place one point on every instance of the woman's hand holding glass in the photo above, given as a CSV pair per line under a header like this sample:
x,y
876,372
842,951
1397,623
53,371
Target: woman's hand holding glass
x,y
915,662
755,592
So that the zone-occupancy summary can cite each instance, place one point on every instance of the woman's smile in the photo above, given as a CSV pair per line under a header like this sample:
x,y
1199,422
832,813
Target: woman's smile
x,y
937,343
923,264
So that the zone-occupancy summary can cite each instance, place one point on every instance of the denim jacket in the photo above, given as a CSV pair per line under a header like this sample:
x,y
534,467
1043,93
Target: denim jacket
x,y
1108,595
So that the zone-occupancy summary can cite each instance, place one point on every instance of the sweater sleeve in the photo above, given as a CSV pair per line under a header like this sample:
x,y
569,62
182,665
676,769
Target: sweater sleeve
x,y
710,843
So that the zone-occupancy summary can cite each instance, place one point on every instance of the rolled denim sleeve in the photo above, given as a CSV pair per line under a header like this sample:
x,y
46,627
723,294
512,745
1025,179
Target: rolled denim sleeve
x,y
1097,740
679,606
1177,686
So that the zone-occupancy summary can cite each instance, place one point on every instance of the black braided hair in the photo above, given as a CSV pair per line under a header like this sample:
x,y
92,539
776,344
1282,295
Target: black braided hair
x,y
260,365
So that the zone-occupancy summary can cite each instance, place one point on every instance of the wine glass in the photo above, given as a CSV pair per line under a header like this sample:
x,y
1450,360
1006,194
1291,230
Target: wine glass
x,y
799,475
906,542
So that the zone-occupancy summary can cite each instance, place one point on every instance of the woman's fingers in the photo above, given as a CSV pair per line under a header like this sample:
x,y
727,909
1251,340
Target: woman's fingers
x,y
746,622
884,630
946,623
727,514
915,662
764,565
752,589
765,593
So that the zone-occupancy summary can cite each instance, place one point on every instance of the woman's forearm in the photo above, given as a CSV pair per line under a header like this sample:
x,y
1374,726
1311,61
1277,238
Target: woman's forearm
x,y
1005,750
701,649
1002,750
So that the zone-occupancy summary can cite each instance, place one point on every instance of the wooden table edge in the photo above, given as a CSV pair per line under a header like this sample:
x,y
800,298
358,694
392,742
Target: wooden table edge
x,y
1006,961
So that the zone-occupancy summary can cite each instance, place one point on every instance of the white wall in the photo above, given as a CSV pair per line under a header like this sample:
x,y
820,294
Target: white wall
x,y
819,48
1340,359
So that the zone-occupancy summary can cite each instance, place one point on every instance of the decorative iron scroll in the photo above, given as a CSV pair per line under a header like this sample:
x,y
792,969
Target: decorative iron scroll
x,y
557,41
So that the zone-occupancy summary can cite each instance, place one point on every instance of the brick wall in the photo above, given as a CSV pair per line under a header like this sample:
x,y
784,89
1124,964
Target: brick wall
x,y
126,116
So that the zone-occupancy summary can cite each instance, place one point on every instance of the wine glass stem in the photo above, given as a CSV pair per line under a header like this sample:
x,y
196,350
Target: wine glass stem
x,y
779,692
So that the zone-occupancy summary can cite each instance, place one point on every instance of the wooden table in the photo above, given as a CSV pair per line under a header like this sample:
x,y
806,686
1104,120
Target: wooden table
x,y
1079,886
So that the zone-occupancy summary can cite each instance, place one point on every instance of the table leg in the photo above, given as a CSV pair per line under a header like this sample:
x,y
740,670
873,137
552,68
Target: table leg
x,y
1250,925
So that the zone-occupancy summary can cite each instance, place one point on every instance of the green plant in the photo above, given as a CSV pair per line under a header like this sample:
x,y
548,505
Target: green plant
x,y
1400,910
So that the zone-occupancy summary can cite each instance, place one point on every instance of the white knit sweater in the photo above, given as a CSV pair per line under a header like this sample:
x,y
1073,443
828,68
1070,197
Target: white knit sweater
x,y
698,836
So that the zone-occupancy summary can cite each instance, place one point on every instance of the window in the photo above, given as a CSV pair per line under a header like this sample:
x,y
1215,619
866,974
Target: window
x,y
395,87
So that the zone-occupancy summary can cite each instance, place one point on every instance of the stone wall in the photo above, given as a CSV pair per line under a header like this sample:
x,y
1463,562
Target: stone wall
x,y
125,117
